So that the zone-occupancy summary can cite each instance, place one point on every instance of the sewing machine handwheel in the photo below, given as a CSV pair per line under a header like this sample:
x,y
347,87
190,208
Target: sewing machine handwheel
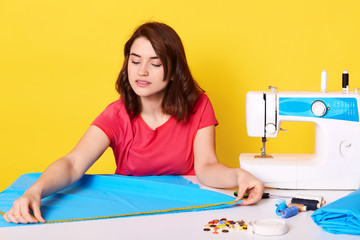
x,y
318,108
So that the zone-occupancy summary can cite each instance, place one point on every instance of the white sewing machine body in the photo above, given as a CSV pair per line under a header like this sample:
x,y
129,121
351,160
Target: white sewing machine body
x,y
335,163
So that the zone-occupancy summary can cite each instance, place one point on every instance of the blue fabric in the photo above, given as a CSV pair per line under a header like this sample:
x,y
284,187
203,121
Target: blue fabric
x,y
104,195
341,216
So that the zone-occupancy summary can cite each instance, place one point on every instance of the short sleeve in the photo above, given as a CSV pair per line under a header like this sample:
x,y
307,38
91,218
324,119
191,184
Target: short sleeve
x,y
112,121
208,115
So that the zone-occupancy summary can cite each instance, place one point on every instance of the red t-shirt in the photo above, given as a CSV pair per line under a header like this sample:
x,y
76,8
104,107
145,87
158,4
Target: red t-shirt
x,y
141,151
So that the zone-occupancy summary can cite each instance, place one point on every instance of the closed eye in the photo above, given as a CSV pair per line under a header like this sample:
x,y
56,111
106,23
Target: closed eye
x,y
157,65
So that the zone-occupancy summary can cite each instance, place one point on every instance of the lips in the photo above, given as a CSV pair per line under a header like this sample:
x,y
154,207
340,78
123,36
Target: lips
x,y
142,83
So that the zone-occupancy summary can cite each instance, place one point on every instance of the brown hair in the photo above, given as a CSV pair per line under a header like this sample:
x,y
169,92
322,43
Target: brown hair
x,y
182,91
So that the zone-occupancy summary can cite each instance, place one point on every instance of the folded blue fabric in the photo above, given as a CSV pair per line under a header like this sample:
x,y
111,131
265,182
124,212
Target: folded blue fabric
x,y
341,216
109,195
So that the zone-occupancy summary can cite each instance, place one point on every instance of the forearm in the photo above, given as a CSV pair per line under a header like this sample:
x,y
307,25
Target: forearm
x,y
70,168
57,176
218,175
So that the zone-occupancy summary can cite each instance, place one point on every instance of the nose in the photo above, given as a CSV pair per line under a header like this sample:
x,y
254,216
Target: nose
x,y
143,71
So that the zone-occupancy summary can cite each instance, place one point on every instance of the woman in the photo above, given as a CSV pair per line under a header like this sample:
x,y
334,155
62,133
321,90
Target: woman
x,y
162,124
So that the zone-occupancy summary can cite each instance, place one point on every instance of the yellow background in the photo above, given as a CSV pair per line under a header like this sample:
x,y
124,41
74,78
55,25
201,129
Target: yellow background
x,y
59,61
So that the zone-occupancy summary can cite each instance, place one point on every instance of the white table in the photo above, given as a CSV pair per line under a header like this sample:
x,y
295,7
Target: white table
x,y
184,226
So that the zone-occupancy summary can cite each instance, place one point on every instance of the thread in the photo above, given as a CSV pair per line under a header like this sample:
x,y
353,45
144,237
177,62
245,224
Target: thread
x,y
280,200
323,81
301,207
345,81
311,204
289,212
320,199
280,208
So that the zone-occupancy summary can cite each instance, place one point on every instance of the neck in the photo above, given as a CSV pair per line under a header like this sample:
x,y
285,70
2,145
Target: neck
x,y
152,112
151,106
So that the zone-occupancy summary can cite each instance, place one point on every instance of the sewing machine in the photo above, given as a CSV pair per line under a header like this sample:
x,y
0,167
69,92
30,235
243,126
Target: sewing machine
x,y
335,163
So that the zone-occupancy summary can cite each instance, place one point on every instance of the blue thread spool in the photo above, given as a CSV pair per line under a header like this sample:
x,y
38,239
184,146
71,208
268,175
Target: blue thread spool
x,y
280,200
280,208
289,212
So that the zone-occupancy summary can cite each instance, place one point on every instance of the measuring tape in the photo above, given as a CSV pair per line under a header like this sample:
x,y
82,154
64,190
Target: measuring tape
x,y
141,213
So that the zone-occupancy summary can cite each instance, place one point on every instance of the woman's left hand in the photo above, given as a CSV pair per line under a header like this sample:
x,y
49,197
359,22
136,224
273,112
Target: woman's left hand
x,y
250,185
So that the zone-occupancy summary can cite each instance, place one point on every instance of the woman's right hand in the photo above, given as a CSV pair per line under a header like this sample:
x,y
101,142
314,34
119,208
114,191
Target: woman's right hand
x,y
60,174
19,213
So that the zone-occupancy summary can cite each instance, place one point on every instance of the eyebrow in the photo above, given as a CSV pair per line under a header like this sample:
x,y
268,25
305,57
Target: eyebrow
x,y
137,55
